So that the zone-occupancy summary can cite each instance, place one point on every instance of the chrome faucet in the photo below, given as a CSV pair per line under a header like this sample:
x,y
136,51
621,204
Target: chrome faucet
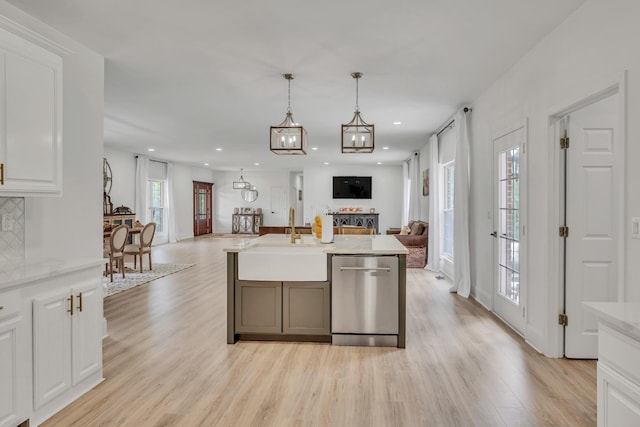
x,y
292,224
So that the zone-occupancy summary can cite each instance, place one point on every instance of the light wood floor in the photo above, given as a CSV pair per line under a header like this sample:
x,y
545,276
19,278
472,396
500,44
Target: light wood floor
x,y
166,363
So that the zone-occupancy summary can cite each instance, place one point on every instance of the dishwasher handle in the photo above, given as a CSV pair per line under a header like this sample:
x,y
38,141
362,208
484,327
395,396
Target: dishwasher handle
x,y
387,269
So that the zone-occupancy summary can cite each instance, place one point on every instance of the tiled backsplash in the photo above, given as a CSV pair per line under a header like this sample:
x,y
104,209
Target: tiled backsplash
x,y
12,242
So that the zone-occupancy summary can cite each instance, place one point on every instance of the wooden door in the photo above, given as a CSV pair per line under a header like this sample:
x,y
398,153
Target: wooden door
x,y
202,219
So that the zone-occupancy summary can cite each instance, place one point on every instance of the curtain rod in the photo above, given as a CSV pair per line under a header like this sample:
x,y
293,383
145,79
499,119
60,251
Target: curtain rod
x,y
450,124
153,160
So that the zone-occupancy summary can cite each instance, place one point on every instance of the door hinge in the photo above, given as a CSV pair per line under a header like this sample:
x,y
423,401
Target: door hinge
x,y
563,320
564,231
564,143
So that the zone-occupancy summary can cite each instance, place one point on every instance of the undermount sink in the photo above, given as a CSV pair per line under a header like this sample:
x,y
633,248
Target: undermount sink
x,y
292,263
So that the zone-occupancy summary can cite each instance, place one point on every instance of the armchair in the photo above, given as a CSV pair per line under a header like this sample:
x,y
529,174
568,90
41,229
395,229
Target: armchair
x,y
417,242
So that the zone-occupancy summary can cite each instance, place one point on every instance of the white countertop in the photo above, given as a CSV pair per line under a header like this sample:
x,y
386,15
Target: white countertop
x,y
343,244
32,271
624,316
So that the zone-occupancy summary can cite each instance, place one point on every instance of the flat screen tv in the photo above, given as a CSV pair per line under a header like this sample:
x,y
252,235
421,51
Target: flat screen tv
x,y
351,187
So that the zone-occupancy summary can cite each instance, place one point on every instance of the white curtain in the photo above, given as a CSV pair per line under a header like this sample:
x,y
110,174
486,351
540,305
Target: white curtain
x,y
415,187
142,189
461,264
171,205
405,193
433,255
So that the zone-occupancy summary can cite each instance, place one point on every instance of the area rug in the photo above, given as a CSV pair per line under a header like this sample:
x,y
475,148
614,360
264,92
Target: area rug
x,y
134,278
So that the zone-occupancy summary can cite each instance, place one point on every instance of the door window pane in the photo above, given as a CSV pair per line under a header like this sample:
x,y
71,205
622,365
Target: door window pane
x,y
509,224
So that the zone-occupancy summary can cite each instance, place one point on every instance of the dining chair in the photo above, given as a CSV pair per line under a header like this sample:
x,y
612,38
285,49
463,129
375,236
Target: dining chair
x,y
144,247
114,252
357,230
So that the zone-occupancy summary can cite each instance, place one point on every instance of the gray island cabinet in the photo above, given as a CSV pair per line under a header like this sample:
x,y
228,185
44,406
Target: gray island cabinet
x,y
289,308
294,301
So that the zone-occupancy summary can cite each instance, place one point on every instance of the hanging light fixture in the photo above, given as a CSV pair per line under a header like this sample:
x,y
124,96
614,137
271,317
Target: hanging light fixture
x,y
289,137
357,135
242,184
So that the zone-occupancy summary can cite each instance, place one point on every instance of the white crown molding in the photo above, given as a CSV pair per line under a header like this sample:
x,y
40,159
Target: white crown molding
x,y
20,29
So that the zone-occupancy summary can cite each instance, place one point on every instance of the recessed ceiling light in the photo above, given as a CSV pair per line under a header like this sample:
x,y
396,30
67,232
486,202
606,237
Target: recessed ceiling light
x,y
256,164
397,123
379,163
326,163
385,148
314,148
151,149
218,149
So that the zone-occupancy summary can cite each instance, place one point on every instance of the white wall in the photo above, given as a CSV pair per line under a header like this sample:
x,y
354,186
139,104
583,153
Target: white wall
x,y
183,193
123,167
588,52
68,228
225,198
386,192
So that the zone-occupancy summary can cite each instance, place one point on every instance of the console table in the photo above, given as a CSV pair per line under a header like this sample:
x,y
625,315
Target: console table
x,y
358,219
116,219
246,223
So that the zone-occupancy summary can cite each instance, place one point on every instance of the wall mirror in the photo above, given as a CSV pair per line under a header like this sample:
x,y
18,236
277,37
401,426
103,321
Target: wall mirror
x,y
249,194
106,175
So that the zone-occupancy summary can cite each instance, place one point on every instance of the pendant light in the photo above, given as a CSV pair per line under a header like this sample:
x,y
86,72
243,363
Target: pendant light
x,y
242,184
289,137
357,135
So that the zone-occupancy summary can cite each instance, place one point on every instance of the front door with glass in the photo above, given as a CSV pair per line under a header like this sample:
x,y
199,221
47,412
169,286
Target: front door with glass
x,y
202,218
509,291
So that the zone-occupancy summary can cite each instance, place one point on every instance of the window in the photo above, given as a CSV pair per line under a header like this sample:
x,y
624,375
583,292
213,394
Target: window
x,y
157,204
447,209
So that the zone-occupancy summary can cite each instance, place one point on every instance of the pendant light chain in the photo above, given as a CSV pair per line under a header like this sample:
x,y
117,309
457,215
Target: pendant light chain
x,y
357,106
289,101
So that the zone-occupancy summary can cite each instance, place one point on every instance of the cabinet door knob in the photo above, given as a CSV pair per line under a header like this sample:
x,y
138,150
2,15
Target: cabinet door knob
x,y
1,307
80,300
70,299
1,173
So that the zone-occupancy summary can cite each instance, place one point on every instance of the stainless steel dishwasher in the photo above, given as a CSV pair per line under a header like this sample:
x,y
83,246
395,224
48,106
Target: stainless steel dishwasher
x,y
364,300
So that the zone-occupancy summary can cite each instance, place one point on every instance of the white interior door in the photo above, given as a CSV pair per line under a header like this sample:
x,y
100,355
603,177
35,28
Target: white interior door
x,y
509,288
279,205
592,200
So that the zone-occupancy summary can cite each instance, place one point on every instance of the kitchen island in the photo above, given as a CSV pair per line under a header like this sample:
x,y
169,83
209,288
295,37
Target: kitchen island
x,y
348,292
618,368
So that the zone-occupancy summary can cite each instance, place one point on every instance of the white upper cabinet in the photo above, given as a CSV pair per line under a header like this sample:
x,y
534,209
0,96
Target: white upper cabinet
x,y
30,119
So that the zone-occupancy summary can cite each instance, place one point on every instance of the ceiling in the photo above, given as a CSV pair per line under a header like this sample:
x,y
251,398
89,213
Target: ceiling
x,y
191,76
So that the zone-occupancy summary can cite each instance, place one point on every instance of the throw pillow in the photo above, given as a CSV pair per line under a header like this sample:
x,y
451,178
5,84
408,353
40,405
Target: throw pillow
x,y
405,230
416,229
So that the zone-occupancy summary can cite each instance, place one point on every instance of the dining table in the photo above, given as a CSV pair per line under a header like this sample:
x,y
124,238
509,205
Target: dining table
x,y
132,232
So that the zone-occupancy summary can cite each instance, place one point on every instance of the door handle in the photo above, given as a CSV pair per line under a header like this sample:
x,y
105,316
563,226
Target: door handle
x,y
387,269
70,299
494,234
80,299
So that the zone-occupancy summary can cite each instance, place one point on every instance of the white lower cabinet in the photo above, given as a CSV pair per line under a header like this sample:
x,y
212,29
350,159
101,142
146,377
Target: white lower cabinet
x,y
618,378
13,408
66,340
